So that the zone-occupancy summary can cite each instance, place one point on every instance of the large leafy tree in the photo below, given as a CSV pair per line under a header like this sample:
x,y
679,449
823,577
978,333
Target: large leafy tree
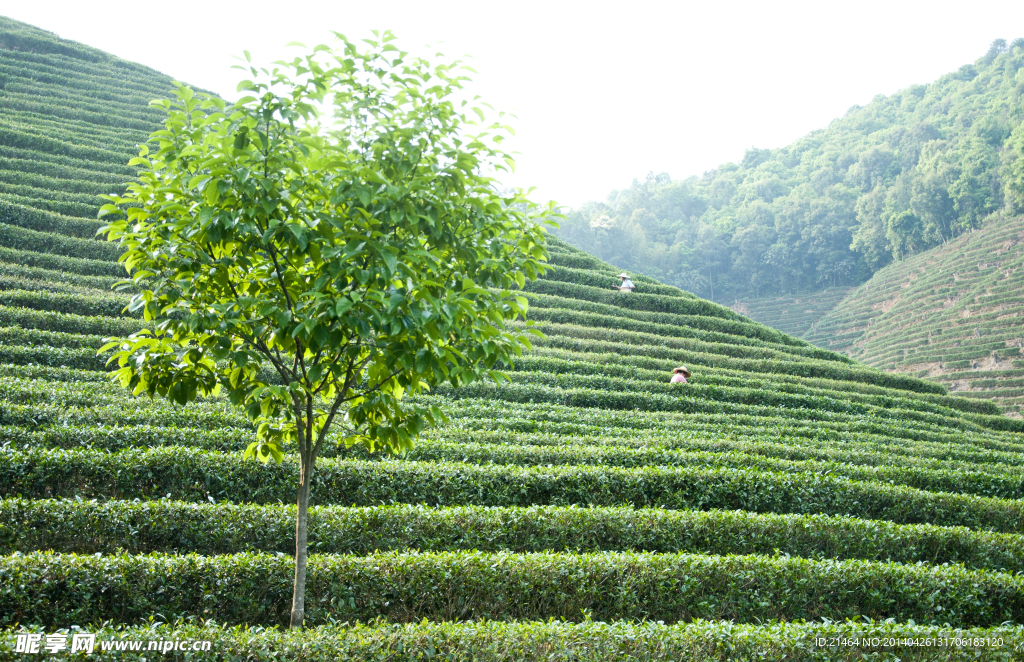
x,y
321,248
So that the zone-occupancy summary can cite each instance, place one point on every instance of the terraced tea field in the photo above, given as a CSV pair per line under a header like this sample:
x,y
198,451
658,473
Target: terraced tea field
x,y
792,314
586,510
952,315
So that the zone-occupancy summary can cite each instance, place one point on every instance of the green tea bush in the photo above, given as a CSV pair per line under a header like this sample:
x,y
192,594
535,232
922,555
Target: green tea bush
x,y
86,267
10,272
60,590
58,357
749,401
608,280
633,300
44,221
67,204
959,480
193,475
12,137
59,169
12,236
90,527
809,368
57,322
738,327
108,305
588,641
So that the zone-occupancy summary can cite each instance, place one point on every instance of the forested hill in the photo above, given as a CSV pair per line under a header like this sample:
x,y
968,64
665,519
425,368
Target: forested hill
x,y
895,177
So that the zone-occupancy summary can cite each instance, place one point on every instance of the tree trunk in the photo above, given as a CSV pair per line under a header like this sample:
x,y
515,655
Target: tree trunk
x,y
301,528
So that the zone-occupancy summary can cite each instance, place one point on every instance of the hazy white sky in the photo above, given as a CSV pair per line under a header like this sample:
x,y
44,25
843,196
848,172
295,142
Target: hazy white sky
x,y
603,92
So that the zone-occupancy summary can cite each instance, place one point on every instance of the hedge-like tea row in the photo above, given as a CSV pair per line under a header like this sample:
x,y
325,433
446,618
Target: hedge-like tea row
x,y
28,274
852,391
519,417
73,394
47,221
15,282
751,402
128,412
584,391
193,475
95,114
18,335
574,404
753,394
51,374
608,321
121,437
107,305
590,641
88,527
136,411
57,322
739,325
622,354
35,99
88,64
760,350
61,263
28,116
655,303
488,414
25,114
905,409
485,415
12,236
591,278
955,479
52,145
660,333
59,590
74,185
868,450
126,92
113,171
39,164
65,205
985,480
57,357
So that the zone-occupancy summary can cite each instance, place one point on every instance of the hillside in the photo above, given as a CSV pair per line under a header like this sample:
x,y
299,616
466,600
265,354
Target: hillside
x,y
952,315
892,178
792,314
587,510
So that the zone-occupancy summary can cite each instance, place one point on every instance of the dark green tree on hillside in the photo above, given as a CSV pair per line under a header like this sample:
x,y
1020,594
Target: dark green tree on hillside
x,y
322,248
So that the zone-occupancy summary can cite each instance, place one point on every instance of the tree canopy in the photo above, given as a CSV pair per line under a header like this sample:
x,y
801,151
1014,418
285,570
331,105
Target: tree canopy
x,y
900,175
322,247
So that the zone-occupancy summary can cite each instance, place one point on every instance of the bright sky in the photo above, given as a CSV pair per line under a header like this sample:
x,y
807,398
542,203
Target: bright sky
x,y
604,93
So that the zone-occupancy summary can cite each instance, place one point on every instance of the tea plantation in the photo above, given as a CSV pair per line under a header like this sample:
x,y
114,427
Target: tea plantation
x,y
794,315
951,314
788,503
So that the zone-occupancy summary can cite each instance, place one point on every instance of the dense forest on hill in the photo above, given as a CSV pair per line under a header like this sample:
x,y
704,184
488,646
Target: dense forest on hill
x,y
900,175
